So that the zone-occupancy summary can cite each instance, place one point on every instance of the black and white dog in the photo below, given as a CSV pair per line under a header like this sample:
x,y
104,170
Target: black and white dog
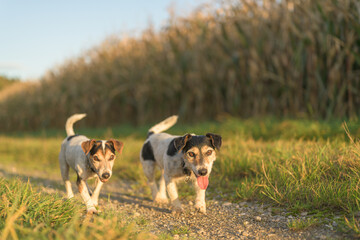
x,y
178,157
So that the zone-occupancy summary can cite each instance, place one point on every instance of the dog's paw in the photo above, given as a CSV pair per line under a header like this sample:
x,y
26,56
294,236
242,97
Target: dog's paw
x,y
92,210
201,208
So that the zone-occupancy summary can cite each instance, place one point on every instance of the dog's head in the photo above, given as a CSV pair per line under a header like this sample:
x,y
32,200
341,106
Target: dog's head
x,y
199,154
102,156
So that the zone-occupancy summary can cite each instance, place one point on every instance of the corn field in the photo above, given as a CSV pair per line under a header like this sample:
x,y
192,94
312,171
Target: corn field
x,y
294,58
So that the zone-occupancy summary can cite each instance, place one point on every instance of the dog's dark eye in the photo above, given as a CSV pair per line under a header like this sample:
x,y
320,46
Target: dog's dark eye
x,y
112,157
96,158
191,154
209,152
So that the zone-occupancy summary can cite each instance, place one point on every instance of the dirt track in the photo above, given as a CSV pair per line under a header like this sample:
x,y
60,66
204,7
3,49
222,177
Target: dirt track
x,y
224,220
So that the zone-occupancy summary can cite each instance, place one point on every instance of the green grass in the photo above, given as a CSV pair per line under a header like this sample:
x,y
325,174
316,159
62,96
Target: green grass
x,y
354,225
300,165
26,212
267,129
302,224
180,230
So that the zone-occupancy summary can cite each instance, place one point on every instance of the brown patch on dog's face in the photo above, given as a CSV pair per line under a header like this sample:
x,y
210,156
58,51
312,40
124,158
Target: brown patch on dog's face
x,y
102,157
200,158
208,153
200,155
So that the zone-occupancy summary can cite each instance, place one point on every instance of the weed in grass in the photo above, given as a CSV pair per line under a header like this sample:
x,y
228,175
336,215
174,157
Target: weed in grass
x,y
180,230
302,224
141,221
354,225
165,236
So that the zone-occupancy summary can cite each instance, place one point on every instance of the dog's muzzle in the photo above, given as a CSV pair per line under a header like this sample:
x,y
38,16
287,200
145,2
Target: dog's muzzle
x,y
203,171
105,177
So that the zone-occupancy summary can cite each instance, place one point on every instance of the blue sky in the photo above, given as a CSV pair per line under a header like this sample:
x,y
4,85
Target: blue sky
x,y
37,35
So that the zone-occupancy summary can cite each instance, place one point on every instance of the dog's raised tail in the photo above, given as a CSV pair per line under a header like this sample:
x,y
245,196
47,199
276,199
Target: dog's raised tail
x,y
70,122
164,125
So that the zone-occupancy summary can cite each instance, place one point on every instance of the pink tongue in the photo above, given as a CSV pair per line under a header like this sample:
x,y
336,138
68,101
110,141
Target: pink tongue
x,y
203,182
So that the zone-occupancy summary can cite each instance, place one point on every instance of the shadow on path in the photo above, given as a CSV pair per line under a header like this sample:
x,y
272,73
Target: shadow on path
x,y
142,202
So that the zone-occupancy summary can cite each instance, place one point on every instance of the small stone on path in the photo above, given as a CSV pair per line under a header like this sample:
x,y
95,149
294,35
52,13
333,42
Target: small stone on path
x,y
227,204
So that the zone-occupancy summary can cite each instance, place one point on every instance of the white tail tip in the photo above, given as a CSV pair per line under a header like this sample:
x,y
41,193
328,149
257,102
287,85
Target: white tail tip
x,y
164,125
70,122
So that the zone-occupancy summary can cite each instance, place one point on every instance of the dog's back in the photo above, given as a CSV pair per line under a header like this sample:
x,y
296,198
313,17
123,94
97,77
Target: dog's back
x,y
71,146
157,142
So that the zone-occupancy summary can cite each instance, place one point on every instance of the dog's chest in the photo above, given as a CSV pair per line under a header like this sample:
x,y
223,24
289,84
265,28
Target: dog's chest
x,y
90,173
84,171
175,168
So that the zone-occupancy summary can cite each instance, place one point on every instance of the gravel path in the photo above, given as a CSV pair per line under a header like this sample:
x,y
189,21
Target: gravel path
x,y
224,220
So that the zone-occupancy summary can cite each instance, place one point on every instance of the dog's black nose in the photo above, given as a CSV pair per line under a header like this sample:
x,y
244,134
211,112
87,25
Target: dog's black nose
x,y
203,172
105,175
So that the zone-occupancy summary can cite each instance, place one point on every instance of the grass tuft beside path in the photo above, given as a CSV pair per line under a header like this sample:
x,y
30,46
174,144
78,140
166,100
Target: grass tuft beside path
x,y
28,212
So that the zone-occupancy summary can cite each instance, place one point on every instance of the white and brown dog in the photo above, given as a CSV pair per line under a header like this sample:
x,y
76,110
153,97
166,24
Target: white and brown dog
x,y
178,157
89,158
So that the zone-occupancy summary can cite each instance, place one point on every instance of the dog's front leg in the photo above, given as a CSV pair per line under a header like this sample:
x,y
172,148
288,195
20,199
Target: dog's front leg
x,y
172,191
89,190
200,197
85,195
96,193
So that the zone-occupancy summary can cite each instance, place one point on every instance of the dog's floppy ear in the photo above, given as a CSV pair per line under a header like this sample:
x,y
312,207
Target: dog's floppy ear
x,y
180,142
215,140
87,145
116,144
